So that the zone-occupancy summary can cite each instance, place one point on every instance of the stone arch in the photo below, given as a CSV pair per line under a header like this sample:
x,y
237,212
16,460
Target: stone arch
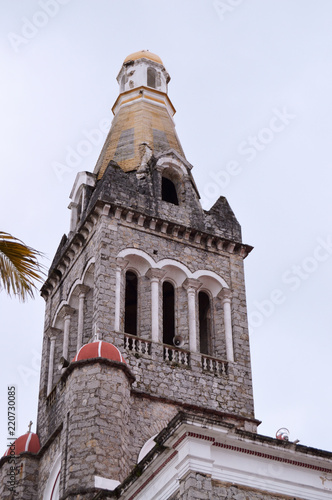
x,y
51,491
175,274
88,273
210,281
58,318
172,165
72,299
147,446
172,176
175,270
138,260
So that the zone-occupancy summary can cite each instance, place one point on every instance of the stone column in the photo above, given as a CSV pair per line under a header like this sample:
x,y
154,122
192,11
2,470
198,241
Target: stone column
x,y
192,285
225,296
74,215
82,290
67,312
52,335
155,275
121,265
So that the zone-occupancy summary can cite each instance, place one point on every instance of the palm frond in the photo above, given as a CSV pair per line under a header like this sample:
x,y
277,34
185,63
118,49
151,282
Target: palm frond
x,y
19,267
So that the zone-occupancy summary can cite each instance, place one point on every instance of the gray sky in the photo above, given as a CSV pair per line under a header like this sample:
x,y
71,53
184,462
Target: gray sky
x,y
251,82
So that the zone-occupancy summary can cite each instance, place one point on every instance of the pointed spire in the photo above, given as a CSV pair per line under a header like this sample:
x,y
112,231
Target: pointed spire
x,y
143,113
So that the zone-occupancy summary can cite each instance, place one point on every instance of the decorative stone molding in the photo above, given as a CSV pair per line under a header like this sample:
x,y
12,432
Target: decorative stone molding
x,y
82,291
225,296
192,236
155,276
66,310
121,265
192,285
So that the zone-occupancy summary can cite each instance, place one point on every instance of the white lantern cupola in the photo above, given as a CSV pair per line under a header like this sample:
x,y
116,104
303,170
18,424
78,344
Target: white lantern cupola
x,y
143,69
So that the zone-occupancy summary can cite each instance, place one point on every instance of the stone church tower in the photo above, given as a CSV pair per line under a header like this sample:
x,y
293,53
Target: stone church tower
x,y
145,387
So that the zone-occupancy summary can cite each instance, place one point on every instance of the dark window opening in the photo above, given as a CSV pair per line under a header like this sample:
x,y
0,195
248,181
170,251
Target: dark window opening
x,y
168,313
204,322
130,325
152,78
168,191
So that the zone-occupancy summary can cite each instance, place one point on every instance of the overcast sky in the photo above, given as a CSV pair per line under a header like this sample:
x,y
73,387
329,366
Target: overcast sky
x,y
251,82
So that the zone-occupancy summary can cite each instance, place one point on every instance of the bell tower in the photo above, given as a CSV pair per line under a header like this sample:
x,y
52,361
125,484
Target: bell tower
x,y
145,386
145,302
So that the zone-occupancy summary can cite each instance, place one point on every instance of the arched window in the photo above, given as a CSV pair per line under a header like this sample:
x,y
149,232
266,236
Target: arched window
x,y
130,325
168,313
152,78
53,483
204,309
168,191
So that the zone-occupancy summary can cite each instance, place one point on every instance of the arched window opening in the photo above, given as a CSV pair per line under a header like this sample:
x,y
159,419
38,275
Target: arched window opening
x,y
131,303
168,313
55,495
152,77
168,191
204,309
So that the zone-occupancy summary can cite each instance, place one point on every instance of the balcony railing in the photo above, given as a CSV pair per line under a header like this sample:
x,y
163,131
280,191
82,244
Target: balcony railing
x,y
137,345
178,356
217,366
175,356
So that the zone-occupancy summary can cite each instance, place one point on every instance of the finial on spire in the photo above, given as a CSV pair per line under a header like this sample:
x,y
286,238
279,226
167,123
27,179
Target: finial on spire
x,y
30,425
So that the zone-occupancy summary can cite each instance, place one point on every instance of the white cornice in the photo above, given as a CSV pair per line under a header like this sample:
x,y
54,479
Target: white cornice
x,y
230,458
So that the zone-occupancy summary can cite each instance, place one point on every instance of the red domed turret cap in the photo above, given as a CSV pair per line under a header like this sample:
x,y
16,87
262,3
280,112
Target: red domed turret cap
x,y
27,442
99,349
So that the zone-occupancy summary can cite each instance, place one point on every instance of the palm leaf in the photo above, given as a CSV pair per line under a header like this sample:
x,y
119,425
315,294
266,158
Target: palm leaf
x,y
19,267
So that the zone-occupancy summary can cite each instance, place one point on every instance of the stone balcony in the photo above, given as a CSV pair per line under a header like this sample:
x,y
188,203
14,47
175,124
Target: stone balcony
x,y
174,355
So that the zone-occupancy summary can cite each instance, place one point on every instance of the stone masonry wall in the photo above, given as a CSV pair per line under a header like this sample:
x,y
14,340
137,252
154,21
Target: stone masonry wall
x,y
26,478
231,394
47,461
98,399
93,406
197,486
